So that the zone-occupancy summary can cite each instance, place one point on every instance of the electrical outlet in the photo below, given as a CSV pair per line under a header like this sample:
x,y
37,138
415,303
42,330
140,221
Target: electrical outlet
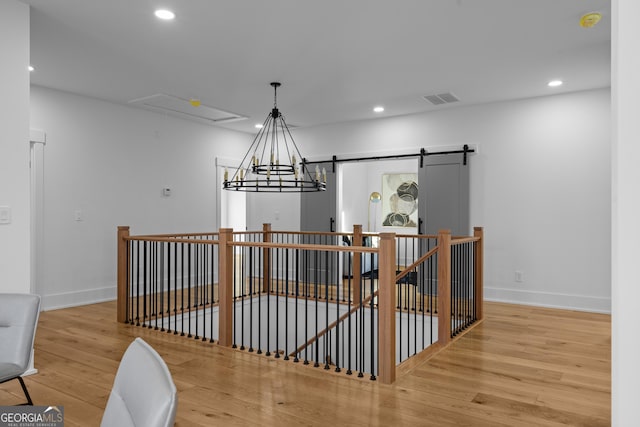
x,y
519,276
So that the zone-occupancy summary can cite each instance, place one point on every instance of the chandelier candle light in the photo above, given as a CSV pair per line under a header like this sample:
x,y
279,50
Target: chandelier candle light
x,y
271,163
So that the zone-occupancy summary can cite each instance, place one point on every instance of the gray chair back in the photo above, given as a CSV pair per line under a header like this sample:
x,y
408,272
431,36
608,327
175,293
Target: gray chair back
x,y
143,392
18,319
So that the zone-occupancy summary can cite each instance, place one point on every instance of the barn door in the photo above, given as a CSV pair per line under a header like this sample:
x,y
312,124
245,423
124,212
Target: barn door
x,y
443,204
444,194
318,213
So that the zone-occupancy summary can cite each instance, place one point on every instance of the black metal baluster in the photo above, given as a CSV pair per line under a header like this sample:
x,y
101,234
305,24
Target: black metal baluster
x,y
327,350
415,313
373,348
242,286
458,286
137,284
133,267
406,287
297,254
144,285
196,285
269,284
152,283
212,294
349,296
361,317
453,289
251,299
277,299
465,289
182,289
286,305
316,347
234,298
162,292
189,288
155,282
307,279
168,313
175,287
473,273
260,287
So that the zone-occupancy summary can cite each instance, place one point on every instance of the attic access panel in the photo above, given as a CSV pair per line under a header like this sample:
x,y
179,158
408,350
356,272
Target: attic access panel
x,y
184,108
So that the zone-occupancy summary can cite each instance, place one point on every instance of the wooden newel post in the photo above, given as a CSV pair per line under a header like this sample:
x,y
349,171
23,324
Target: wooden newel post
x,y
123,283
478,263
266,257
357,263
444,287
387,308
225,287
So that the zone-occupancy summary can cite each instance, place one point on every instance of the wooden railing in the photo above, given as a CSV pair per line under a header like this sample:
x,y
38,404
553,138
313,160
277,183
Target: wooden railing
x,y
351,302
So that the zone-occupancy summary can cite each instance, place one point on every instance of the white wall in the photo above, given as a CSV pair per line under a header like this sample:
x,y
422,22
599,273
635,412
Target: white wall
x,y
15,270
626,212
540,186
281,210
110,162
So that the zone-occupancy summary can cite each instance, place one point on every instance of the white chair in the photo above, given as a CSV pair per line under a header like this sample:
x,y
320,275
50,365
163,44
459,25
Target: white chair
x,y
143,392
18,320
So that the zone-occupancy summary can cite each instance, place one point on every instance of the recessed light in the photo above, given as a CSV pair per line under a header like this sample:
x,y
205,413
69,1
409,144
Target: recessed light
x,y
258,126
31,68
165,14
378,109
555,83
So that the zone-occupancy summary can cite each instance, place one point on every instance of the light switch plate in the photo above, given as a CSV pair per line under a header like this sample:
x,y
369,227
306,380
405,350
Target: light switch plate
x,y
5,215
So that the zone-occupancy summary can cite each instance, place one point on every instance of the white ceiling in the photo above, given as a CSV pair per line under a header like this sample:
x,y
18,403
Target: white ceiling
x,y
336,59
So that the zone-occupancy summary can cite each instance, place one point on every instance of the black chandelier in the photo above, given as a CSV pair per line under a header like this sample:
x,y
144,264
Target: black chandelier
x,y
271,165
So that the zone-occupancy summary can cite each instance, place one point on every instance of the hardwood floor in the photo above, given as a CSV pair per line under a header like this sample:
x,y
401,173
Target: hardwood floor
x,y
523,366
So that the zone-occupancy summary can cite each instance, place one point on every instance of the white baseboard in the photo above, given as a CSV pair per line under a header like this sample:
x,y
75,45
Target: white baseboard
x,y
548,299
513,296
74,299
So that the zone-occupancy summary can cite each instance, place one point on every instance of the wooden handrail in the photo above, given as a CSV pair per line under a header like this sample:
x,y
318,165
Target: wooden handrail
x,y
310,233
169,240
308,247
417,236
420,260
214,233
334,323
462,240
366,300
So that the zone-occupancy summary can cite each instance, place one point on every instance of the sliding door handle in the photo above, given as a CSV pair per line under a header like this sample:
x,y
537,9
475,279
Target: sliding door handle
x,y
332,223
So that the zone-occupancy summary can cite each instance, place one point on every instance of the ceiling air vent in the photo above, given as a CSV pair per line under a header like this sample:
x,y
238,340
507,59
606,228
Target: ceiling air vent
x,y
441,98
184,108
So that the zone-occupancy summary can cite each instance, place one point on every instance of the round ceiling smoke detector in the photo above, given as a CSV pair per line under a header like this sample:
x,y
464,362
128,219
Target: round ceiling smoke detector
x,y
589,20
